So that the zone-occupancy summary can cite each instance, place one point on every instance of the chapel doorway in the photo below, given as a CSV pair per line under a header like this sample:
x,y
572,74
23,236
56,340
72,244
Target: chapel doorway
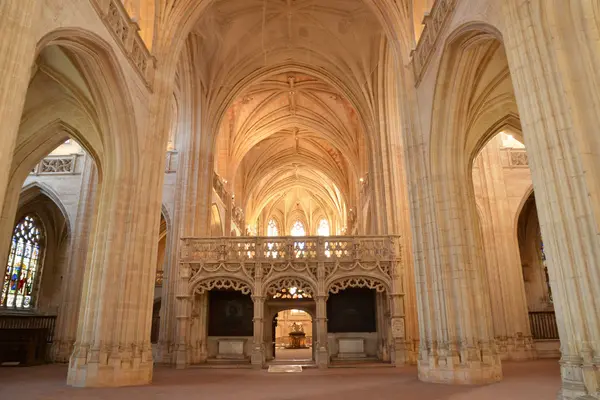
x,y
293,336
290,313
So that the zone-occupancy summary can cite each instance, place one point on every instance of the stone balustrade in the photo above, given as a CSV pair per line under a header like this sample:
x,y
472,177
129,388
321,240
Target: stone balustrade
x,y
57,165
158,281
126,33
434,23
240,262
219,186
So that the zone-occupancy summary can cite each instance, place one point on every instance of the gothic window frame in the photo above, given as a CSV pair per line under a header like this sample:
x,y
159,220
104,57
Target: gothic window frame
x,y
35,241
272,227
320,227
295,226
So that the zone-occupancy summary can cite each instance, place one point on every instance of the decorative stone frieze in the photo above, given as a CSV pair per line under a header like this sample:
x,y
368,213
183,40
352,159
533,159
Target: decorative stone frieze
x,y
434,23
57,165
126,33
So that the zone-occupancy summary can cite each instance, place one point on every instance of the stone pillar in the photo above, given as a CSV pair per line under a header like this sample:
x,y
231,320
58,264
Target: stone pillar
x,y
68,313
258,345
204,328
456,336
183,313
322,349
198,324
504,272
553,49
17,53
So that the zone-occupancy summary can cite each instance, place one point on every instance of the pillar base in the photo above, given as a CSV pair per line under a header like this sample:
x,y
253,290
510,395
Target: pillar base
x,y
61,350
97,375
322,358
516,348
461,374
579,382
257,358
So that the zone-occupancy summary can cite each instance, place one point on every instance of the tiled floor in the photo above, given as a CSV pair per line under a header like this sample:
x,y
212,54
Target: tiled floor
x,y
524,381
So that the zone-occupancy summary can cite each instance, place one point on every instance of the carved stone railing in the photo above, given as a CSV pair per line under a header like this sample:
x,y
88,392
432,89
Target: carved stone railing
x,y
262,265
57,165
516,158
158,281
434,24
219,187
238,217
126,33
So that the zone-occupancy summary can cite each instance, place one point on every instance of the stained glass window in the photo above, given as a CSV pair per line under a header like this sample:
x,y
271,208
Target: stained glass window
x,y
24,261
292,293
545,266
323,229
272,229
298,229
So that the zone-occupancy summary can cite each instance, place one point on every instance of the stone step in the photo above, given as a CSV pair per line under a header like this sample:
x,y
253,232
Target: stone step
x,y
285,368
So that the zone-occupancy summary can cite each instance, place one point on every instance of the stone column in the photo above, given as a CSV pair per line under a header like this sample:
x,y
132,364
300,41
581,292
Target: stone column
x,y
258,345
322,349
204,328
320,340
68,313
504,272
553,49
183,313
456,336
17,53
397,321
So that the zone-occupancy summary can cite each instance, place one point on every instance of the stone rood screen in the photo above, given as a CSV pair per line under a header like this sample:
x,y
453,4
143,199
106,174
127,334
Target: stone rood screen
x,y
267,267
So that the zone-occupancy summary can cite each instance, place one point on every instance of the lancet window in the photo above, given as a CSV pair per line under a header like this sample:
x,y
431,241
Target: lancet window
x,y
24,264
298,229
272,229
323,229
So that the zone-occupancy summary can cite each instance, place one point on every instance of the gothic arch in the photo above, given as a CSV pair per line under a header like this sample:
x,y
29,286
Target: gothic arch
x,y
291,279
203,284
370,281
35,189
528,193
114,112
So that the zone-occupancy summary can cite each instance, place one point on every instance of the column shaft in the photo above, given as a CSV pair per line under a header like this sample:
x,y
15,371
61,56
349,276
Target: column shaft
x,y
553,48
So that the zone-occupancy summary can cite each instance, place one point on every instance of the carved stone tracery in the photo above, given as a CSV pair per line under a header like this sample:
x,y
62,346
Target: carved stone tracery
x,y
357,282
222,283
285,283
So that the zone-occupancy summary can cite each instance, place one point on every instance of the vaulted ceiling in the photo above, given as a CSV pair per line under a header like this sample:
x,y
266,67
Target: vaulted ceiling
x,y
290,86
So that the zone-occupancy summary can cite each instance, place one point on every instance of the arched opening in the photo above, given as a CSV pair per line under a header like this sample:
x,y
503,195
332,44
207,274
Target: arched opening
x,y
290,308
540,303
293,335
501,177
69,128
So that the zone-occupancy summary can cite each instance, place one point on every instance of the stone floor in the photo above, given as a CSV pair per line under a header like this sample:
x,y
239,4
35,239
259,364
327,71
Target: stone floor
x,y
293,354
526,381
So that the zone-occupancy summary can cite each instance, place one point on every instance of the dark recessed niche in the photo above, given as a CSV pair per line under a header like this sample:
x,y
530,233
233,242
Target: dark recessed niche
x,y
352,310
230,313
